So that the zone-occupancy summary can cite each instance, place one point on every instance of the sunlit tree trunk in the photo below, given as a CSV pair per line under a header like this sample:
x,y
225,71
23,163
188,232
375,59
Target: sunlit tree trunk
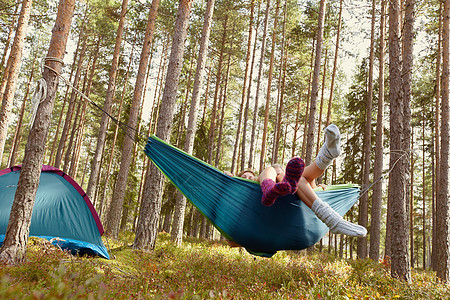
x,y
442,201
14,245
258,85
437,149
115,212
18,132
71,106
96,159
315,84
367,144
400,267
180,206
269,89
14,60
147,228
281,86
212,126
242,111
6,45
377,195
333,75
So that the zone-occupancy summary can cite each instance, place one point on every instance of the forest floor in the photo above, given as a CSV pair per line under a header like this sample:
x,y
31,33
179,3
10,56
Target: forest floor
x,y
205,270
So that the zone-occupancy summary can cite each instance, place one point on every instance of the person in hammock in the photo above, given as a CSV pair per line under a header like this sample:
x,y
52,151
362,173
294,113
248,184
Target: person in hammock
x,y
297,179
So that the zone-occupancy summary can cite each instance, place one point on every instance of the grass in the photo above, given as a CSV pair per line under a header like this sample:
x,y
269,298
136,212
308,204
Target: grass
x,y
204,270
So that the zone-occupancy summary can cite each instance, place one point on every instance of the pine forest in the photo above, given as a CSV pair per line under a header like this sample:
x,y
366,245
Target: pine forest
x,y
240,85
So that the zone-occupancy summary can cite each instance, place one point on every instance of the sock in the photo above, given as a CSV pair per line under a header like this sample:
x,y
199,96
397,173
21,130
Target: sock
x,y
294,170
271,191
334,221
331,148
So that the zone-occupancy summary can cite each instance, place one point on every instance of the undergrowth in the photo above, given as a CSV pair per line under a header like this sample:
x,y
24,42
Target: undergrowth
x,y
204,270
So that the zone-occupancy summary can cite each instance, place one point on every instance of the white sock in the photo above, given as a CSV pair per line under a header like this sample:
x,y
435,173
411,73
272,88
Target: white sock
x,y
334,221
331,148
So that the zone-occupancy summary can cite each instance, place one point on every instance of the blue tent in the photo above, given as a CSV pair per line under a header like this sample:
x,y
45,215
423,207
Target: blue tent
x,y
62,213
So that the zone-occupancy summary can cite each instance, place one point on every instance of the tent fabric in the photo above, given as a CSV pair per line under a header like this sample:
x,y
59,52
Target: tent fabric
x,y
233,204
62,212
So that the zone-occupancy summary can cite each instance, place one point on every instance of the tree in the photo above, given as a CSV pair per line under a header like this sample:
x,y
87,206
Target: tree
x,y
95,167
115,213
269,88
315,84
400,267
442,201
180,205
377,195
13,71
364,200
147,228
14,245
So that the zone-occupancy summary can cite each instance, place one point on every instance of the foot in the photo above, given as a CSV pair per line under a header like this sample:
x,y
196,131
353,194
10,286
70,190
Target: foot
x,y
334,221
331,148
271,191
294,170
348,228
333,140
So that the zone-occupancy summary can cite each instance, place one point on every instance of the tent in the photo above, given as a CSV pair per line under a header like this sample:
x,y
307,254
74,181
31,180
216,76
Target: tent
x,y
62,213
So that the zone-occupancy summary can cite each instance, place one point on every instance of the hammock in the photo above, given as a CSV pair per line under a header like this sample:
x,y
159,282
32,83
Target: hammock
x,y
233,205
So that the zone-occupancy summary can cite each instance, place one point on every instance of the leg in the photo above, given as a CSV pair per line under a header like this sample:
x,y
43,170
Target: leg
x,y
329,151
272,189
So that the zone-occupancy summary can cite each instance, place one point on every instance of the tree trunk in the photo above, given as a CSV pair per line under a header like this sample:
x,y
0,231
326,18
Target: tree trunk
x,y
14,61
258,85
367,143
442,201
115,213
71,107
242,112
180,206
377,195
269,89
333,76
6,45
436,169
315,84
18,133
146,231
400,267
95,168
281,86
14,245
212,126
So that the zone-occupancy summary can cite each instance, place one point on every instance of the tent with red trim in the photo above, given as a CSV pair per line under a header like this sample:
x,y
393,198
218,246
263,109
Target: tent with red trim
x,y
62,213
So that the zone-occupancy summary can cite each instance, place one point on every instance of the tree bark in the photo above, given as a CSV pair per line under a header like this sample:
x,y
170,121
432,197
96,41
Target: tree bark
x,y
315,84
180,205
14,61
367,143
442,201
115,213
269,89
95,167
14,245
258,85
400,267
18,133
377,195
436,169
146,231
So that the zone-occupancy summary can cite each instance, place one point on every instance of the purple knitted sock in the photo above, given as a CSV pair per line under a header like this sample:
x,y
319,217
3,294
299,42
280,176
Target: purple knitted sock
x,y
294,170
271,191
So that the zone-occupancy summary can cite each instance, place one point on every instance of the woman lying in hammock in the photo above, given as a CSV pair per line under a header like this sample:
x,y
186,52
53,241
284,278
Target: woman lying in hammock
x,y
275,182
298,179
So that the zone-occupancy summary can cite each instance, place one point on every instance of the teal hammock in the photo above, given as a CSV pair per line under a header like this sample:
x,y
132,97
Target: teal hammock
x,y
233,205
